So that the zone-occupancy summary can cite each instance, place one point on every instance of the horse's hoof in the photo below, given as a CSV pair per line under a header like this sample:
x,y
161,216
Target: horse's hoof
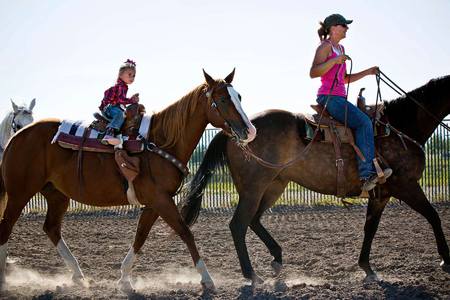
x,y
10,260
277,267
371,278
125,286
445,267
256,280
79,280
208,287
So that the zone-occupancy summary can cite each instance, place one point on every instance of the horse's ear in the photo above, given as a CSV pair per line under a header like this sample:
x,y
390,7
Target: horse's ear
x,y
208,78
230,77
15,107
32,104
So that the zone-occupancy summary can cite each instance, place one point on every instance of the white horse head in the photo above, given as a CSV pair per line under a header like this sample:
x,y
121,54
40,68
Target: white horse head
x,y
15,120
22,116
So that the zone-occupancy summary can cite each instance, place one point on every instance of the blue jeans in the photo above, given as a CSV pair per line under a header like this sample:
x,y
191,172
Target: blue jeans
x,y
115,113
360,123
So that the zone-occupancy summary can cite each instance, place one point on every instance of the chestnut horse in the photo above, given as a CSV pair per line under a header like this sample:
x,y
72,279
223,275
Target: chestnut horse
x,y
281,138
32,164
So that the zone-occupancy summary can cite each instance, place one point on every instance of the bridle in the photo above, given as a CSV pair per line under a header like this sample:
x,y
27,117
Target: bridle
x,y
15,114
215,106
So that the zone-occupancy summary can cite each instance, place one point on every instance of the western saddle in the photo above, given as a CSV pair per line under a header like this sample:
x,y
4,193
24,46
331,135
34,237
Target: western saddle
x,y
332,131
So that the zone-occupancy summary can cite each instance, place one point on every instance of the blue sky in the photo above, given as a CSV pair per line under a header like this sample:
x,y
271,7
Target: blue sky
x,y
66,53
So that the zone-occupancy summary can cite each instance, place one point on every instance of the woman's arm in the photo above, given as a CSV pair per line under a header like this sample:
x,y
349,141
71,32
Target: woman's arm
x,y
357,76
320,66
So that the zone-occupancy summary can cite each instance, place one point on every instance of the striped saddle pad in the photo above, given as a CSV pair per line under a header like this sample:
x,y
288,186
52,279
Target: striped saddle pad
x,y
73,134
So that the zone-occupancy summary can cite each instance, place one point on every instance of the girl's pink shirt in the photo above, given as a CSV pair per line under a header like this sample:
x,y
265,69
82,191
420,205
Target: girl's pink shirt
x,y
328,78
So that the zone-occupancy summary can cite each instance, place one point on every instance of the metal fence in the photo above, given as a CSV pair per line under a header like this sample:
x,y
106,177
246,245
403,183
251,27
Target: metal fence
x,y
220,194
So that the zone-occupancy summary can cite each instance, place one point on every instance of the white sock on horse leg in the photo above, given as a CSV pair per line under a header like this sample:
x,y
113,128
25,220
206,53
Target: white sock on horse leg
x,y
69,259
203,271
127,265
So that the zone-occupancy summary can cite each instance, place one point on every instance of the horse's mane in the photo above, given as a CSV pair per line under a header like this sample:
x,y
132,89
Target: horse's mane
x,y
429,95
173,119
5,129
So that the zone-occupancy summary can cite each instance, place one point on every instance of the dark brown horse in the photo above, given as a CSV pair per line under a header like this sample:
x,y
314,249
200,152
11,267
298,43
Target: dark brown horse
x,y
280,139
32,164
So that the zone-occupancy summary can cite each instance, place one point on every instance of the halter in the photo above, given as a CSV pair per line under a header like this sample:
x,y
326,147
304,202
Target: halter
x,y
210,97
13,123
215,106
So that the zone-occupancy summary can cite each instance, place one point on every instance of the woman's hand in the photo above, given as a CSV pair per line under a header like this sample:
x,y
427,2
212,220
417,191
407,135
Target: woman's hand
x,y
373,71
341,59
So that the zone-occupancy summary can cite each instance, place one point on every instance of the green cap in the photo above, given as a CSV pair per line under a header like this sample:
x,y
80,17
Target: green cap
x,y
335,19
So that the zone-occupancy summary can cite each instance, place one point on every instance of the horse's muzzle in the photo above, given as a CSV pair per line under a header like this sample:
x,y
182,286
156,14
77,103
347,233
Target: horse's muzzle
x,y
244,135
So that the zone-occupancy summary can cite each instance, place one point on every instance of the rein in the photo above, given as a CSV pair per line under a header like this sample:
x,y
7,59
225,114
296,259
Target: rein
x,y
412,98
248,152
400,134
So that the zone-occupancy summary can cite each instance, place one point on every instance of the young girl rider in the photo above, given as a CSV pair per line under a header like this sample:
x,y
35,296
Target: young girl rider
x,y
115,100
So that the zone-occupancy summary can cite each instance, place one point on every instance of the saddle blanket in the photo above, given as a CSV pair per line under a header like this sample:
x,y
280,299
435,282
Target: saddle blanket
x,y
73,134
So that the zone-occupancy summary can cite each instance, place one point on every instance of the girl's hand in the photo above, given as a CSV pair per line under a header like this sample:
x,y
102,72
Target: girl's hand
x,y
135,98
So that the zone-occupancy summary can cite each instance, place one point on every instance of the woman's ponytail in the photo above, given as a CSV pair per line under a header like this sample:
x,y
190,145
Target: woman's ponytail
x,y
323,32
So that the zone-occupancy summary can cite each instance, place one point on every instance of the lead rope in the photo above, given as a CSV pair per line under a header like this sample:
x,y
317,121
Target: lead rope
x,y
374,120
346,93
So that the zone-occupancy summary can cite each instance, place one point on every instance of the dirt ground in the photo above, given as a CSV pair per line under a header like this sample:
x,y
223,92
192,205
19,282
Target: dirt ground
x,y
320,251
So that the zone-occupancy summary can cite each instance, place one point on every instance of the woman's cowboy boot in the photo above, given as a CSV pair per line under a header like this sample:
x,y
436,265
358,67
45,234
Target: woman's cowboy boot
x,y
369,183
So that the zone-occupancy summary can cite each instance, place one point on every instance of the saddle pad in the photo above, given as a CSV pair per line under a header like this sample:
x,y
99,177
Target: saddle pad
x,y
73,134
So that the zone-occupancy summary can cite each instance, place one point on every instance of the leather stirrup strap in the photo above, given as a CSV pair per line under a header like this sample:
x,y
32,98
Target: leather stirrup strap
x,y
358,151
340,177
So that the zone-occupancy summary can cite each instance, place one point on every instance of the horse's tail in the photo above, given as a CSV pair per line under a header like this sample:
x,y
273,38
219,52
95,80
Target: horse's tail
x,y
215,157
3,198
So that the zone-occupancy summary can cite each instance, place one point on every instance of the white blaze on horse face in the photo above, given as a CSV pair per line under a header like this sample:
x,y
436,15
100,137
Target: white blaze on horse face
x,y
251,132
69,259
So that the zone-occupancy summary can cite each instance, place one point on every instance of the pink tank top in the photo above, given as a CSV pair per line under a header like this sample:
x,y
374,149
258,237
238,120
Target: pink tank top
x,y
328,78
